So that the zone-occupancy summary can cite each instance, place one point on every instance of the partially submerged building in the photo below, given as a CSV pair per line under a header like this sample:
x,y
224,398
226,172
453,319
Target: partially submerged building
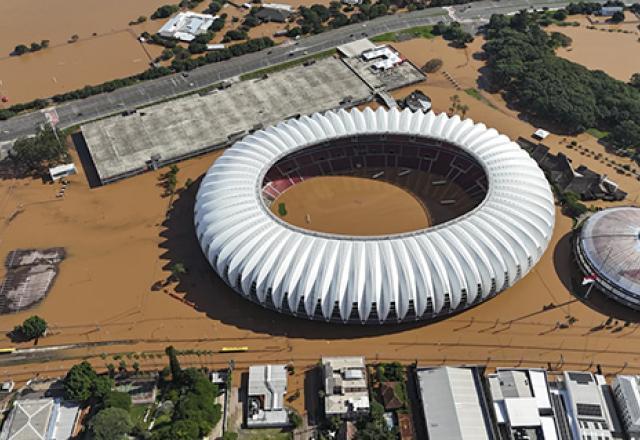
x,y
417,101
585,183
453,404
40,419
522,404
345,386
186,26
265,396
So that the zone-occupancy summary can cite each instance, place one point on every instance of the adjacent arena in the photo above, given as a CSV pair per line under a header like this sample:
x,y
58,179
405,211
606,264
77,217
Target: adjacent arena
x,y
492,217
607,250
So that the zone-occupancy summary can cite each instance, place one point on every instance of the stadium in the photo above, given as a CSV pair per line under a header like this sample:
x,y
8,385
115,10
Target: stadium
x,y
491,217
607,250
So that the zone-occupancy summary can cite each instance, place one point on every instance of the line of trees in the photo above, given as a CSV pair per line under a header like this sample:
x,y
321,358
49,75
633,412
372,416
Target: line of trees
x,y
523,64
21,49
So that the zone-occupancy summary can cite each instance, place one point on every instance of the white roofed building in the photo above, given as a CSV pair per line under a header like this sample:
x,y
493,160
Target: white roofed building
x,y
590,408
265,402
483,248
627,394
522,404
40,419
345,386
452,404
186,26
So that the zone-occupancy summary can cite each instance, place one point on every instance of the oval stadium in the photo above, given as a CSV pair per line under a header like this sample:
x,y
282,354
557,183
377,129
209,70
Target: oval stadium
x,y
607,250
491,216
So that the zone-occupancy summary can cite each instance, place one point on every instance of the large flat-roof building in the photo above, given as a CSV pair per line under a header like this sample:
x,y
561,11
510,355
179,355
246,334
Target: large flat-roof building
x,y
125,145
452,404
590,408
626,391
40,419
265,396
345,386
522,404
187,25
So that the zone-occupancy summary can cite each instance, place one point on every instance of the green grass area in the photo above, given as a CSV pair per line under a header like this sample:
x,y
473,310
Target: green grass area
x,y
475,93
286,65
137,413
598,134
282,209
264,434
414,32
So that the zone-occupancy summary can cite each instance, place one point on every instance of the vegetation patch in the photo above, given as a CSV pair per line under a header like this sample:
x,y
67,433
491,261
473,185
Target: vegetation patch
x,y
475,93
414,32
523,64
279,67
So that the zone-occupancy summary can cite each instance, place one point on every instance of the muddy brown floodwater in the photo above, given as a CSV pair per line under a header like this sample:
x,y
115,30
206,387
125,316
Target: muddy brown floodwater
x,y
123,238
351,206
614,49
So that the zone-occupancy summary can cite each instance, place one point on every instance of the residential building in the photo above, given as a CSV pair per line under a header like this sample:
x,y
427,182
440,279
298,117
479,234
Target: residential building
x,y
627,395
585,183
265,396
186,26
40,419
454,404
589,406
522,404
345,386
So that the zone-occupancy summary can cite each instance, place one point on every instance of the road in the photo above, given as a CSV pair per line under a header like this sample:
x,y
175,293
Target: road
x,y
145,93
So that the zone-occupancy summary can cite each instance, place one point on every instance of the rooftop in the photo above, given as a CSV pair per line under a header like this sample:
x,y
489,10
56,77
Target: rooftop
x,y
121,146
451,404
267,387
345,385
40,419
185,26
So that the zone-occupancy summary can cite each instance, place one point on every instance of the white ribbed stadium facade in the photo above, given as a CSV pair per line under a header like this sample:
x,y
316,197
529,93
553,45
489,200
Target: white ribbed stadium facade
x,y
425,274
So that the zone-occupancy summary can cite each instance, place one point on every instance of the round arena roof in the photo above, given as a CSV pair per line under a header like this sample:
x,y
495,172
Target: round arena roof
x,y
416,275
609,247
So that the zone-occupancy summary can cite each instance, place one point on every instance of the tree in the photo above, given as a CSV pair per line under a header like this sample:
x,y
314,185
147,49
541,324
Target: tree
x,y
111,424
117,399
136,367
295,419
33,327
560,15
625,135
635,80
164,11
38,153
102,386
174,364
20,49
79,381
432,66
177,270
617,17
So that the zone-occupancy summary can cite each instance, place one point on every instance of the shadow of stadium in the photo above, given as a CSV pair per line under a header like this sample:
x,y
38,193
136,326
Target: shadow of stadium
x,y
211,295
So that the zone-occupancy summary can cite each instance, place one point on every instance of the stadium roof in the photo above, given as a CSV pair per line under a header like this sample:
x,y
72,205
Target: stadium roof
x,y
610,240
433,271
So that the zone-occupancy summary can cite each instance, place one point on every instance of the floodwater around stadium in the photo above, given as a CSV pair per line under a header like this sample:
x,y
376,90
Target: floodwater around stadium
x,y
123,238
107,46
351,206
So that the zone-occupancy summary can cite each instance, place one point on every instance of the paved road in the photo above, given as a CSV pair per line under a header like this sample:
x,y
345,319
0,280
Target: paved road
x,y
144,93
